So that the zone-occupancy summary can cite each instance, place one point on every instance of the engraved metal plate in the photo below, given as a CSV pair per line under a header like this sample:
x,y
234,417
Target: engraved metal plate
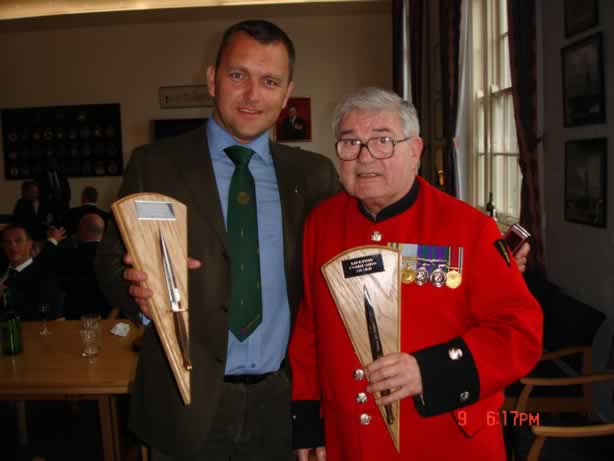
x,y
154,211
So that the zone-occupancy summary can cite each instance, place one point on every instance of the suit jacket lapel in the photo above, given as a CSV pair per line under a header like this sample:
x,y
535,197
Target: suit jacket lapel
x,y
197,170
289,181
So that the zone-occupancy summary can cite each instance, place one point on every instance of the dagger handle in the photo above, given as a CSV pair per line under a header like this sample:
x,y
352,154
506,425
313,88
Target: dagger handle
x,y
182,338
376,352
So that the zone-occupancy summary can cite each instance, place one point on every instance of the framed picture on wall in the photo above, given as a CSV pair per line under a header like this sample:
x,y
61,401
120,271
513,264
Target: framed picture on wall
x,y
586,181
583,89
580,15
294,122
82,140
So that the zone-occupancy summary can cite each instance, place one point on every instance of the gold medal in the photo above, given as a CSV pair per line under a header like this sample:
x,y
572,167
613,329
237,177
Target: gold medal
x,y
408,275
454,279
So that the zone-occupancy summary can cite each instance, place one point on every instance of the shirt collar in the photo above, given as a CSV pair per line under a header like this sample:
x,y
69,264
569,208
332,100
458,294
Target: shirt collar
x,y
396,208
219,139
23,265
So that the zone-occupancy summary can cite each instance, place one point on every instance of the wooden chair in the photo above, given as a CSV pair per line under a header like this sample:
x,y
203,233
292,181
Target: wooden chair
x,y
557,402
582,404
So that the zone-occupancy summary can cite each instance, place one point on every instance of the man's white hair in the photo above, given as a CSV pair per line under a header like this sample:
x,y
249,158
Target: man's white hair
x,y
377,99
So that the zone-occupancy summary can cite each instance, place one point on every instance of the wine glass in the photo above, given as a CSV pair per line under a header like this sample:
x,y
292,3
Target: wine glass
x,y
43,310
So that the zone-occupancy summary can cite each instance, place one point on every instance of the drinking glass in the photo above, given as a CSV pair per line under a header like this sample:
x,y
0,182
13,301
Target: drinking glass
x,y
43,310
89,337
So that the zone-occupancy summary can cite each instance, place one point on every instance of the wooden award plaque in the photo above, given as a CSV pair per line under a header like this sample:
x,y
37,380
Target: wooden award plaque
x,y
373,272
142,218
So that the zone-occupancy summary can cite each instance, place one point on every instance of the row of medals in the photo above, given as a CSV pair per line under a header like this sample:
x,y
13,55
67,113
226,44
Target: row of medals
x,y
437,278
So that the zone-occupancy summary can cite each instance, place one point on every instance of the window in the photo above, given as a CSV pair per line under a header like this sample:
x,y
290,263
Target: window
x,y
494,163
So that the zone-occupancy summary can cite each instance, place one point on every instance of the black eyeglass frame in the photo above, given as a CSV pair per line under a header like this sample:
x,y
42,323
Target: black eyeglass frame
x,y
366,144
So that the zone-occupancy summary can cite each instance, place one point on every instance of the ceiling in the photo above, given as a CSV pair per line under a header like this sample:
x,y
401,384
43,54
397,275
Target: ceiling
x,y
22,9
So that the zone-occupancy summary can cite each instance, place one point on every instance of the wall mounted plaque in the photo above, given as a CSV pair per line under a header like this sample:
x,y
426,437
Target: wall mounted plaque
x,y
84,140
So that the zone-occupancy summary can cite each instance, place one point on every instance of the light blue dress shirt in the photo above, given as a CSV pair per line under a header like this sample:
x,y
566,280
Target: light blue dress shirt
x,y
264,350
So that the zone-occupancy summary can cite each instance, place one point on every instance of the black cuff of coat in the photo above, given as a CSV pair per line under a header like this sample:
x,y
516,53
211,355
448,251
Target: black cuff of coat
x,y
449,378
307,426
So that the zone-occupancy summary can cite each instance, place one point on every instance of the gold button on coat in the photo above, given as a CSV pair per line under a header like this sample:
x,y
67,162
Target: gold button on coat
x,y
359,374
361,397
365,419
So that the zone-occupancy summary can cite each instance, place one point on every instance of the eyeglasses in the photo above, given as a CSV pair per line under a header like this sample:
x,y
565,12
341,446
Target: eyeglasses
x,y
381,147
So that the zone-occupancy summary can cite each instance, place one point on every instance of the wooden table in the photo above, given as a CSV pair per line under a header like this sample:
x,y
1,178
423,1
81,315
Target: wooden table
x,y
51,367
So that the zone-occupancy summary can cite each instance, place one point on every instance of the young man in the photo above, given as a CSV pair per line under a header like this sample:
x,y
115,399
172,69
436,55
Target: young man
x,y
28,281
463,338
240,385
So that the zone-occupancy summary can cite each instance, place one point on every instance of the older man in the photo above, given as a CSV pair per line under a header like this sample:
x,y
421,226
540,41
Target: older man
x,y
461,342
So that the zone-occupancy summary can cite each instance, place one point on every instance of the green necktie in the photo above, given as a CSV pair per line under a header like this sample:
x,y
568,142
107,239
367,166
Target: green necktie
x,y
242,230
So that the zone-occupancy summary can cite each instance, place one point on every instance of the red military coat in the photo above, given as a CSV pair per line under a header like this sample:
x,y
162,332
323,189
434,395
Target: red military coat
x,y
491,318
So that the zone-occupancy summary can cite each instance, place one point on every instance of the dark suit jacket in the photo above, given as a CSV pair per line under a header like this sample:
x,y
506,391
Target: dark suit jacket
x,y
57,205
292,130
32,286
33,220
79,283
181,168
73,216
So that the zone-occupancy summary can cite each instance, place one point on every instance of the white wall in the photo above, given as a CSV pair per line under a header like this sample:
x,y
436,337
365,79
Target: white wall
x,y
125,57
579,258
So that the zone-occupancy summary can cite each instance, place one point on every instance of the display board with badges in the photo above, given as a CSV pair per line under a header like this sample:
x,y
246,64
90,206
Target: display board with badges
x,y
83,140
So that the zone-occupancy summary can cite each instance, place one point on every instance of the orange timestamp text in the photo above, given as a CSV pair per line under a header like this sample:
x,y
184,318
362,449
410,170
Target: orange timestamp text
x,y
504,418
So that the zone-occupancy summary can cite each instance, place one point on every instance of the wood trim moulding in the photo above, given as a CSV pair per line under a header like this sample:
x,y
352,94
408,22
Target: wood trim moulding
x,y
21,9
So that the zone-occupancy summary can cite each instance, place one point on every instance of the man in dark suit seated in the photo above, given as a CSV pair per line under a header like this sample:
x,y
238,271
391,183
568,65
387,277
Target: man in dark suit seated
x,y
30,212
83,296
89,197
28,283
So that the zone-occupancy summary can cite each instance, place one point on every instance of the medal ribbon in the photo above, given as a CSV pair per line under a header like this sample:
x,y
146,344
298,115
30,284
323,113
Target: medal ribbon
x,y
424,256
442,255
409,253
456,259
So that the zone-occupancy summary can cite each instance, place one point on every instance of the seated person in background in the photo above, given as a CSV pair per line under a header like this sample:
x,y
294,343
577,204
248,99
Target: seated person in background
x,y
83,296
30,212
28,283
89,197
46,251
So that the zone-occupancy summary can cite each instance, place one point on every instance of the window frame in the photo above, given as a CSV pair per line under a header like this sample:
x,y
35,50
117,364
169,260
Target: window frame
x,y
490,71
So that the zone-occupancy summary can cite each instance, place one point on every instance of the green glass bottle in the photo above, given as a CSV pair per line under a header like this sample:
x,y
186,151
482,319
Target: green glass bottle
x,y
10,328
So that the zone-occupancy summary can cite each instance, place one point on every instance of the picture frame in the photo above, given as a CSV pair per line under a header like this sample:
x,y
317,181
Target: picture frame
x,y
583,82
185,96
580,15
586,181
83,140
294,122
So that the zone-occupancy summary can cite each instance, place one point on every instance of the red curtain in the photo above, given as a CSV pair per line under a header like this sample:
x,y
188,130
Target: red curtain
x,y
522,30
